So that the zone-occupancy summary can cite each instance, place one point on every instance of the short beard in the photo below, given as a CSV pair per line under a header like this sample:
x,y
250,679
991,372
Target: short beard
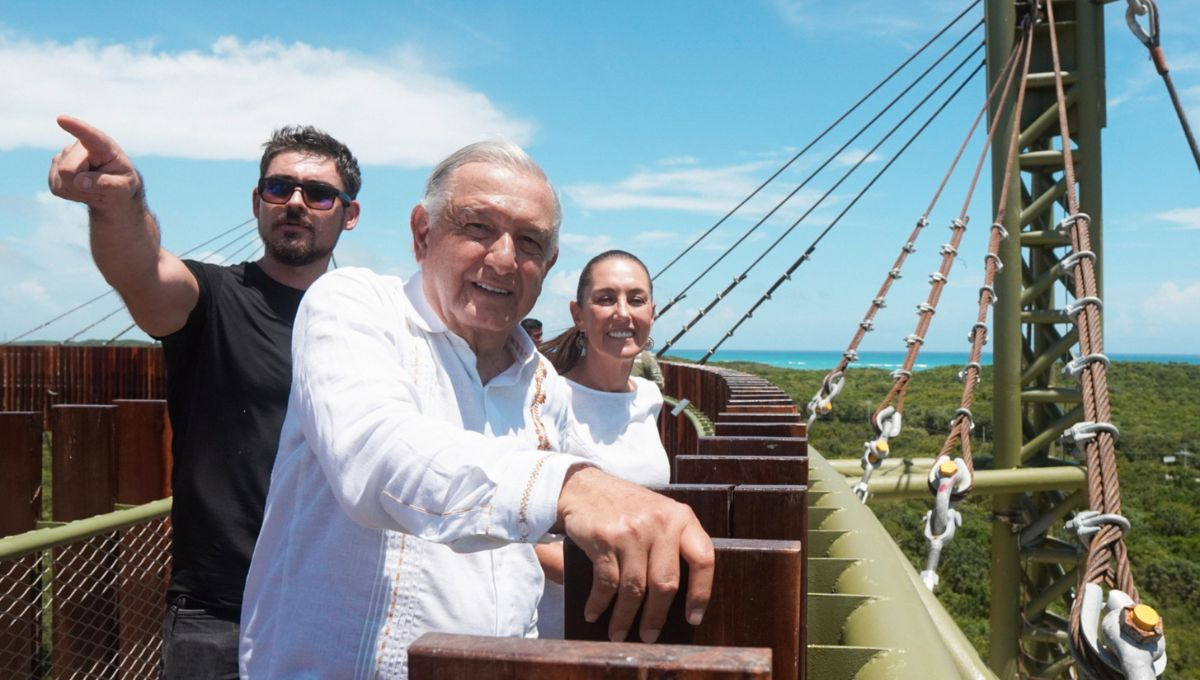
x,y
294,253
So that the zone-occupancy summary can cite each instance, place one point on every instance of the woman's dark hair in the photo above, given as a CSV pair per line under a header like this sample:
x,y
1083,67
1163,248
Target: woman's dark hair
x,y
565,350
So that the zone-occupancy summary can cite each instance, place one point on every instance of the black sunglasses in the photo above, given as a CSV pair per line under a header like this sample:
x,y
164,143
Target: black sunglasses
x,y
317,195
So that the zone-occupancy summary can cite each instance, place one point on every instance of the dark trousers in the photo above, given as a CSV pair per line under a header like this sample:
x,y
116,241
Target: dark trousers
x,y
199,644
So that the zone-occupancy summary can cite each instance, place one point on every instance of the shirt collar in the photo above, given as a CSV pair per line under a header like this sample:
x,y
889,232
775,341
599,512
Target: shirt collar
x,y
518,342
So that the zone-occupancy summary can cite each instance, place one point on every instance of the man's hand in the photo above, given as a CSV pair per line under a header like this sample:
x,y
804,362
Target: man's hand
x,y
93,169
635,538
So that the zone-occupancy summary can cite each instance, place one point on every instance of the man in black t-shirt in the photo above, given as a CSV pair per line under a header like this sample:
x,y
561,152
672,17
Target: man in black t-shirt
x,y
226,334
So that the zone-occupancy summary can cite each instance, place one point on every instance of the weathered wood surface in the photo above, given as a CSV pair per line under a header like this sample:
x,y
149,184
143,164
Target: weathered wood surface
x,y
438,656
757,601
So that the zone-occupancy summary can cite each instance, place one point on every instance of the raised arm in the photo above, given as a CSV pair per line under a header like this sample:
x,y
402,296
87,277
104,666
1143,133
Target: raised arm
x,y
157,287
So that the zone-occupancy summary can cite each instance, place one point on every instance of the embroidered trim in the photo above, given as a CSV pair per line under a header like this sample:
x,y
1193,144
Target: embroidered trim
x,y
535,408
522,513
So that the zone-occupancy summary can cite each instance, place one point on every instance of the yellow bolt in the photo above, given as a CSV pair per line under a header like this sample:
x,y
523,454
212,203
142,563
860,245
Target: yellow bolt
x,y
826,407
1144,617
947,468
881,446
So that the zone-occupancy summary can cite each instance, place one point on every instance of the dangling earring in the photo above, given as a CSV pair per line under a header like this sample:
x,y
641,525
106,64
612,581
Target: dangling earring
x,y
649,344
581,343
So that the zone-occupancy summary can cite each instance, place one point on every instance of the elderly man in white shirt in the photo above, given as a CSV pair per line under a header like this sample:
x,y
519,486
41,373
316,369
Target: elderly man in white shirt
x,y
422,454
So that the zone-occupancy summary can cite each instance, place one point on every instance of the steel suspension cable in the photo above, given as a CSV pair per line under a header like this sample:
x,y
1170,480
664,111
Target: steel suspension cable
x,y
249,245
1152,41
822,402
819,137
742,276
106,317
1107,559
110,291
833,156
813,246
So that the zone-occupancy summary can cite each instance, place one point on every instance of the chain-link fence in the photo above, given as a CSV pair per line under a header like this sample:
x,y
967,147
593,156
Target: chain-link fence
x,y
89,605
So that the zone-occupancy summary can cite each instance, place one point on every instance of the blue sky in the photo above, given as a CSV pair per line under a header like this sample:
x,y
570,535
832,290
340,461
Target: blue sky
x,y
652,119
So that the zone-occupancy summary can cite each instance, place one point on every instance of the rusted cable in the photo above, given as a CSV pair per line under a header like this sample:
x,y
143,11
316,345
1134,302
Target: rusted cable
x,y
822,402
1107,563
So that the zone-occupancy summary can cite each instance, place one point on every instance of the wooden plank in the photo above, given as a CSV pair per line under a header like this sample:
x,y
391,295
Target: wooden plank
x,y
85,612
710,502
21,460
766,417
760,408
740,470
20,507
748,429
84,449
143,449
439,656
143,441
757,601
752,446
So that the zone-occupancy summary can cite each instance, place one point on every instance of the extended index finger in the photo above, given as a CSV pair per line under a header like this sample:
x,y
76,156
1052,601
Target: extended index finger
x,y
697,549
100,147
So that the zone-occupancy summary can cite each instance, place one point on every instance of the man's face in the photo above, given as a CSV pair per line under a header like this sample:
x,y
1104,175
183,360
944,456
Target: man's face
x,y
293,233
483,260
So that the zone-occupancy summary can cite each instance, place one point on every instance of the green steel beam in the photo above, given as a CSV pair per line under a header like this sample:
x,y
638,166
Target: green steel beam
x,y
12,547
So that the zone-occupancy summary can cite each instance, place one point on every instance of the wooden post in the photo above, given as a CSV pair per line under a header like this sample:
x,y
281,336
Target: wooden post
x,y
740,470
85,622
757,601
438,656
752,446
20,508
143,455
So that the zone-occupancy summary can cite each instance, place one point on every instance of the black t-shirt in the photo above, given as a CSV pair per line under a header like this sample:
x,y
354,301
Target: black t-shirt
x,y
229,370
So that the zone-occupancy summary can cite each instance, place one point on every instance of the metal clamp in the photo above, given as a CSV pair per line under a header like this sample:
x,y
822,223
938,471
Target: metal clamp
x,y
909,247
913,339
925,307
879,302
867,325
822,402
996,258
1069,262
895,274
1077,306
1083,431
1087,523
962,375
979,327
957,223
1075,367
1139,8
1127,638
966,413
936,278
900,373
1070,220
947,249
851,355
1000,228
992,297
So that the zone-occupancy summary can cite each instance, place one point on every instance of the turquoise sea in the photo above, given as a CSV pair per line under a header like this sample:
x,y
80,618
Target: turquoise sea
x,y
826,359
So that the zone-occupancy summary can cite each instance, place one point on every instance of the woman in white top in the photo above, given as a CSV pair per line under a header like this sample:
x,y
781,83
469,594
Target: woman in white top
x,y
616,414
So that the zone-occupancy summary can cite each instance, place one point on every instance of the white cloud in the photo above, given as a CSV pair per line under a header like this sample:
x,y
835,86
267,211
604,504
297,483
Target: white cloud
x,y
1186,218
710,191
222,102
1174,304
656,237
852,156
586,243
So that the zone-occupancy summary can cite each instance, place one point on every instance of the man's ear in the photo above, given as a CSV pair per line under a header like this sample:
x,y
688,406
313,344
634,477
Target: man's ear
x,y
254,199
419,221
352,212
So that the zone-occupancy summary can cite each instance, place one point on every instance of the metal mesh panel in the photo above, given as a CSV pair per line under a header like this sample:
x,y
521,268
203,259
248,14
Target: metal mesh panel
x,y
88,609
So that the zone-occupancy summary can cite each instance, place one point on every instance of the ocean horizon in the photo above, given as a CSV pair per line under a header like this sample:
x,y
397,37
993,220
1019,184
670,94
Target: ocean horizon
x,y
827,359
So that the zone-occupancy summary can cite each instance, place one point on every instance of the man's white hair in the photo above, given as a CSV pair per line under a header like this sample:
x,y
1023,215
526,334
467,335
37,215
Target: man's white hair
x,y
495,152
